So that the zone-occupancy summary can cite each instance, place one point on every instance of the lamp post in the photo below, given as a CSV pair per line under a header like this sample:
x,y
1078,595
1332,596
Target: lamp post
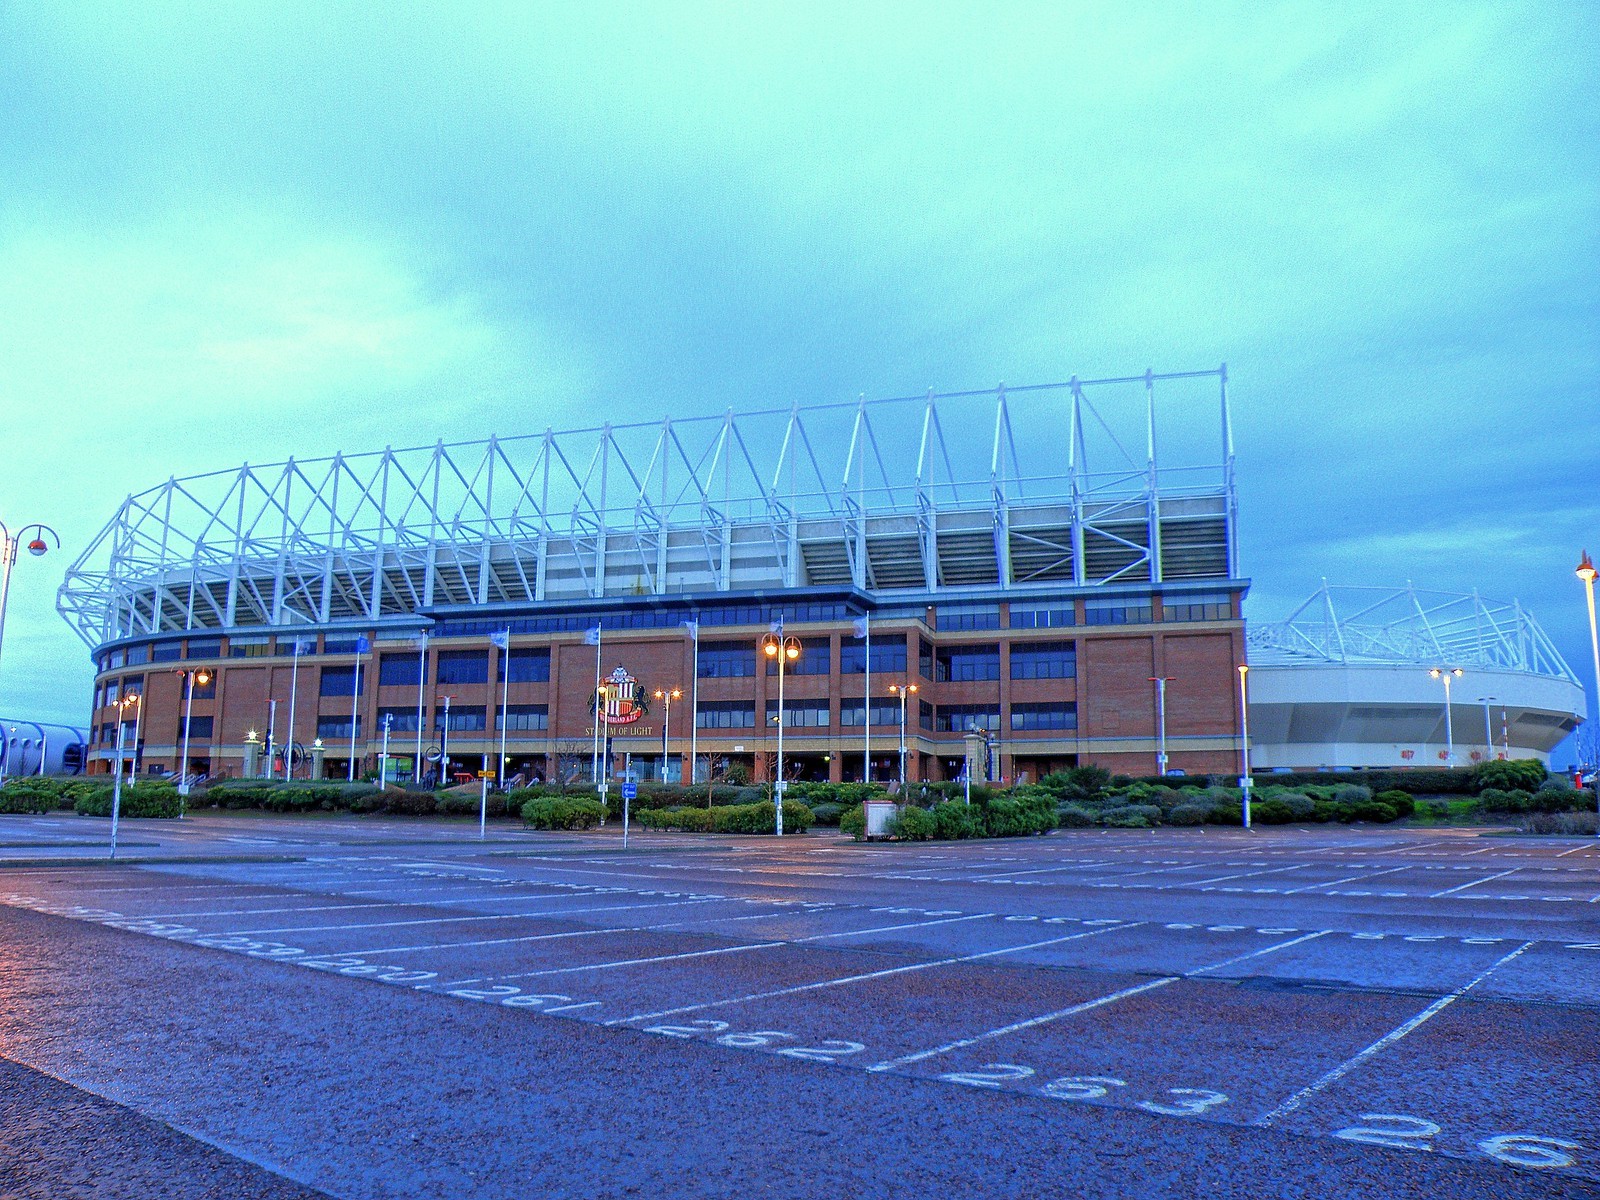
x,y
1488,727
9,542
1161,682
383,760
903,690
669,695
1244,740
1586,572
204,677
1446,674
123,705
444,741
784,650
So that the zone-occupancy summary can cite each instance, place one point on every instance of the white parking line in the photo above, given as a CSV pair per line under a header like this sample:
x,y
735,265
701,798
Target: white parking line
x,y
1463,887
846,979
1336,882
561,912
1240,875
1306,1093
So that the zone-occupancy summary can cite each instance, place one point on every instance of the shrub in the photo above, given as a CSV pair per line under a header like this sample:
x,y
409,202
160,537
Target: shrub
x,y
1351,793
1273,812
761,817
1131,816
827,813
1189,814
1229,813
1497,800
25,796
1428,810
1078,783
562,812
1003,817
138,800
912,824
1524,774
853,821
690,820
954,820
1371,810
1074,816
1402,802
1584,823
1301,807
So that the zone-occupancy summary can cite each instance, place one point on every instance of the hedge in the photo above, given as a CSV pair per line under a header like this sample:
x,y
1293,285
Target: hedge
x,y
562,812
138,800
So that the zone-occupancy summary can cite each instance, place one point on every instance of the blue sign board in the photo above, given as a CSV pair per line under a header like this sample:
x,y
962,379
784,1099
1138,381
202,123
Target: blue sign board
x,y
630,791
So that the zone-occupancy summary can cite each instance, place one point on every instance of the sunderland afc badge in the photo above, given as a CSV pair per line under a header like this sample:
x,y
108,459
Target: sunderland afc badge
x,y
620,700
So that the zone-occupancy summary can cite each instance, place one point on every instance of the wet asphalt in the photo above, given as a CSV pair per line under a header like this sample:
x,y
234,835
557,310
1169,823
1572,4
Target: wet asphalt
x,y
374,1008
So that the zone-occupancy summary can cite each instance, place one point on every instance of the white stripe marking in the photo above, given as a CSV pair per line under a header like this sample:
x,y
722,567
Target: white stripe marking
x,y
1463,887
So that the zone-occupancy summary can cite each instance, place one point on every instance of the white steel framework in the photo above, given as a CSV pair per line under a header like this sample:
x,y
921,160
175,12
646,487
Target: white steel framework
x,y
900,496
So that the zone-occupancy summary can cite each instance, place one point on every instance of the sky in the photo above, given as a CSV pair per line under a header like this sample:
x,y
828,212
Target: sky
x,y
244,232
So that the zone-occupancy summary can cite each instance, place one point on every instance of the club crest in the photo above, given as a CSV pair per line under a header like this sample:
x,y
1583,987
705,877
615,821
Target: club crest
x,y
620,701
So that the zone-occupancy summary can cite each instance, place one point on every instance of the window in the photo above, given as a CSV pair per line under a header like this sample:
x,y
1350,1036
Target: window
x,y
206,690
338,727
1043,618
344,643
115,659
967,616
727,660
249,647
1208,606
1128,611
925,715
464,718
113,691
967,664
396,670
204,648
800,714
137,655
166,652
888,656
462,667
816,658
885,713
132,685
1044,716
525,718
958,718
199,729
1043,660
726,714
925,657
401,720
340,681
526,666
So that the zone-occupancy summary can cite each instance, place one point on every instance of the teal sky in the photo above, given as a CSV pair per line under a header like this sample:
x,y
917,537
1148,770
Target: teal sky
x,y
249,231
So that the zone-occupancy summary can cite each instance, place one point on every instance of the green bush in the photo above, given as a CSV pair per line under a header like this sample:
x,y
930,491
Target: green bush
x,y
138,800
27,796
1351,793
562,812
1517,774
827,813
690,820
1371,810
1273,812
1402,802
1498,800
1577,823
1131,816
1301,806
954,820
853,821
1189,814
761,818
1229,812
1074,816
1004,817
913,824
1078,783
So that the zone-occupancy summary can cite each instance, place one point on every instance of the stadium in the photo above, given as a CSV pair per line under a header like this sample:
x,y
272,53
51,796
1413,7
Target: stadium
x,y
1397,677
1013,577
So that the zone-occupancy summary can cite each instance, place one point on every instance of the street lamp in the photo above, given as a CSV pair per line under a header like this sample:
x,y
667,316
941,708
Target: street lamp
x,y
783,650
8,557
903,690
1446,674
127,702
1161,682
669,695
1488,728
444,741
1244,740
1586,572
204,677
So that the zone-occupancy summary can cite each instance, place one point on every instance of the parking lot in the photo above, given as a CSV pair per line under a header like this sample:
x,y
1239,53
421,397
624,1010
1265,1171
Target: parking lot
x,y
1415,1008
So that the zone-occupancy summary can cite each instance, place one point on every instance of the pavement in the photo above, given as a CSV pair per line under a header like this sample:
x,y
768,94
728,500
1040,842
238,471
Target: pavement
x,y
374,1007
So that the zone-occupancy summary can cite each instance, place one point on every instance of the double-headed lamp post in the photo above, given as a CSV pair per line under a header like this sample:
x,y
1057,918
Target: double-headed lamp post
x,y
1161,682
1244,740
203,677
123,705
37,546
1586,572
668,695
783,650
1446,674
1488,728
903,690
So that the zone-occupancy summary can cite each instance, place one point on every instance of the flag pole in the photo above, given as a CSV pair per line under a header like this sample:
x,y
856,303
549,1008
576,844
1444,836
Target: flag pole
x,y
505,691
422,677
294,679
866,715
594,700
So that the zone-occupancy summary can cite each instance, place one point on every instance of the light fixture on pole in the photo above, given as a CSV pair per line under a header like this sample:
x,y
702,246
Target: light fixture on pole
x,y
127,702
444,741
1161,682
204,677
1488,727
903,690
37,546
1586,572
383,759
783,650
1446,674
669,695
1244,740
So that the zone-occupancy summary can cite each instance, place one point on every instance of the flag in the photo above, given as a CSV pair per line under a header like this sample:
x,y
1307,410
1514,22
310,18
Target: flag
x,y
420,642
592,636
304,645
861,627
500,638
693,626
362,644
776,626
